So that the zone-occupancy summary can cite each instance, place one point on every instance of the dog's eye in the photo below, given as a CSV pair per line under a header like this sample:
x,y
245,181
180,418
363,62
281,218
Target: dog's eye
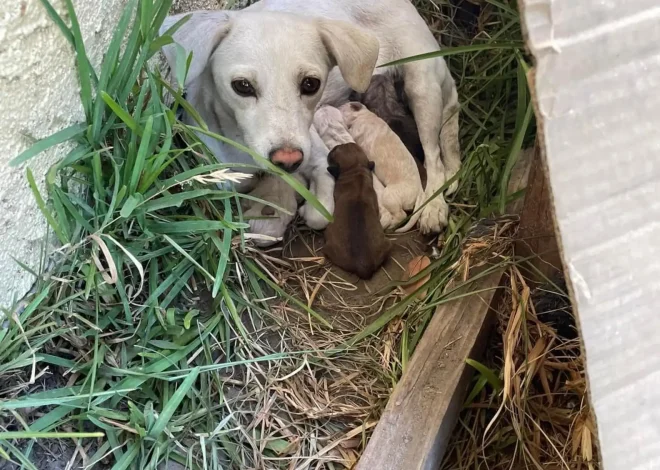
x,y
243,88
310,85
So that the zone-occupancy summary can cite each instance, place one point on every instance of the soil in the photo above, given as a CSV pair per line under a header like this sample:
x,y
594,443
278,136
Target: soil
x,y
48,454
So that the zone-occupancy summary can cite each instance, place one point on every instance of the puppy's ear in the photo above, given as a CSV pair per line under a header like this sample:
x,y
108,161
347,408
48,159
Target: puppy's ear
x,y
372,166
334,171
200,35
353,49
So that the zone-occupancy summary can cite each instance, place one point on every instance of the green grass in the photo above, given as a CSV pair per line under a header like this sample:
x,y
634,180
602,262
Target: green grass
x,y
154,325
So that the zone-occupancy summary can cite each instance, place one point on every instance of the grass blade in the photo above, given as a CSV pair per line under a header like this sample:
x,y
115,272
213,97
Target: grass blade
x,y
172,405
121,113
447,51
44,210
58,138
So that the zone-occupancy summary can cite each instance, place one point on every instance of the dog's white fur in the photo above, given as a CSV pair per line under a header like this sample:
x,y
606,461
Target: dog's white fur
x,y
275,43
395,166
329,122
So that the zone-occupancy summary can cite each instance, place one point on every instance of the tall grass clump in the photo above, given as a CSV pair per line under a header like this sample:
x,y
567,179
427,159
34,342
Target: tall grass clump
x,y
152,305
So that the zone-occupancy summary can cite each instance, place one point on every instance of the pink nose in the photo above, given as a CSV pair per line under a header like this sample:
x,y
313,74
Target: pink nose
x,y
287,158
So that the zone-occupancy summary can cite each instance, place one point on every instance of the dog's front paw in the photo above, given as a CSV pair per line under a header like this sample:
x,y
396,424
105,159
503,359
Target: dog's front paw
x,y
312,217
268,224
450,173
433,217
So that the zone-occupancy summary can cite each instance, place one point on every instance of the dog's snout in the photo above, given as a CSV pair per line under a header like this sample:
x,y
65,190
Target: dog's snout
x,y
287,158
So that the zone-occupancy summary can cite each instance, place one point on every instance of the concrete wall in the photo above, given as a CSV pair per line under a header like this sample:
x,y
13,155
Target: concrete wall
x,y
39,96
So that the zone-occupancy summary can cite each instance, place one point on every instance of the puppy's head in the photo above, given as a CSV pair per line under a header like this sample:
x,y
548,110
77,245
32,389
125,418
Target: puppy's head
x,y
325,116
265,73
381,87
346,157
351,111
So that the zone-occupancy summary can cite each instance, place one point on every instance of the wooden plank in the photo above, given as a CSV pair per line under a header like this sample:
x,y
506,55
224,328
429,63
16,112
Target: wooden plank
x,y
415,428
416,425
536,236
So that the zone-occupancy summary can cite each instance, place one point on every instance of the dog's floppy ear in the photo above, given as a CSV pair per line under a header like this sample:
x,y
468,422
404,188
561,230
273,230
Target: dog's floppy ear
x,y
352,49
372,166
200,35
334,170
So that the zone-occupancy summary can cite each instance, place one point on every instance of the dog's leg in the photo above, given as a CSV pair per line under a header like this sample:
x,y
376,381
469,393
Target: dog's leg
x,y
266,220
451,150
423,86
322,184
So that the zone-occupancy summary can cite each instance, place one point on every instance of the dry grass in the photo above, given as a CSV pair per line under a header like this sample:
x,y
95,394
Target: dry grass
x,y
541,418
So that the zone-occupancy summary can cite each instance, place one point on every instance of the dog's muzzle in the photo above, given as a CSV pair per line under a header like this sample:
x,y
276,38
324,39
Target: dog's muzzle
x,y
287,158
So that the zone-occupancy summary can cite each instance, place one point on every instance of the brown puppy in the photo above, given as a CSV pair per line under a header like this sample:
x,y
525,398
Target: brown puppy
x,y
355,241
386,99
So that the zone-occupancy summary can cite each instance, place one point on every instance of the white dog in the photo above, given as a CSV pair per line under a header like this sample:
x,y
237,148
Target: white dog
x,y
395,166
258,74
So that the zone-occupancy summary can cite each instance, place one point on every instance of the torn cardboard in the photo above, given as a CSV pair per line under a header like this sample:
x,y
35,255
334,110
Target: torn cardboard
x,y
597,93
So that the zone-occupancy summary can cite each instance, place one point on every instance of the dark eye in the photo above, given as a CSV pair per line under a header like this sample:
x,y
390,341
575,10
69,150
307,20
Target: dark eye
x,y
310,85
243,88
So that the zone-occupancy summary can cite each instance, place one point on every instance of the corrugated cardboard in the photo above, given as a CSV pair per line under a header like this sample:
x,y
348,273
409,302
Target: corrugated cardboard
x,y
597,91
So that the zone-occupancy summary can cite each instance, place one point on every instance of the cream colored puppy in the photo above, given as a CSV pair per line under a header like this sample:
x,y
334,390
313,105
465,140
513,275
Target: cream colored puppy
x,y
329,124
395,166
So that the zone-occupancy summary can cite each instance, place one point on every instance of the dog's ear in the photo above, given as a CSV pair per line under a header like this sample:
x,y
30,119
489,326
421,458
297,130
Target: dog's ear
x,y
372,166
352,49
334,171
200,35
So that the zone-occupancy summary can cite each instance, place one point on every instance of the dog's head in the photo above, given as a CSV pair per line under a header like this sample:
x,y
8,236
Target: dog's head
x,y
263,73
346,157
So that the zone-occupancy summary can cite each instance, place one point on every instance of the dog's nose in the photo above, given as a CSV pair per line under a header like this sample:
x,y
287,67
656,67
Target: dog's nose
x,y
286,158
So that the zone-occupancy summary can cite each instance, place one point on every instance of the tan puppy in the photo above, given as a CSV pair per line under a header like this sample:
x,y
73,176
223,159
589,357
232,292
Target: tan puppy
x,y
329,124
388,102
395,166
355,240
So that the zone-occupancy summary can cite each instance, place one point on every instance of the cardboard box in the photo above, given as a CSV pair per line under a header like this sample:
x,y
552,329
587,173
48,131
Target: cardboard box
x,y
597,98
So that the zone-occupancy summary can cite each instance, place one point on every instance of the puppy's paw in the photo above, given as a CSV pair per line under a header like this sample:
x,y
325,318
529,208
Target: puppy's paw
x,y
433,217
313,218
386,218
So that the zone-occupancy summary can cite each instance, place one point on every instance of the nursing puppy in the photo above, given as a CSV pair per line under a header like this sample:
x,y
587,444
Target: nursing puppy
x,y
387,101
395,166
355,240
329,123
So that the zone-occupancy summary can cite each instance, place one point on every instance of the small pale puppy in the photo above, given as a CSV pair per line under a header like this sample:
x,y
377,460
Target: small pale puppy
x,y
355,240
329,124
395,166
385,98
